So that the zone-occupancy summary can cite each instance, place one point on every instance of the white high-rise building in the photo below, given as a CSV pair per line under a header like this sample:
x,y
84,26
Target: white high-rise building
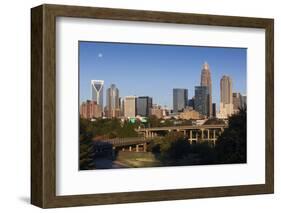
x,y
97,91
130,106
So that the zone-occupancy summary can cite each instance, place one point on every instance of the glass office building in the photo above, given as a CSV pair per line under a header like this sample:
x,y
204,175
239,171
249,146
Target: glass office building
x,y
201,102
180,99
144,103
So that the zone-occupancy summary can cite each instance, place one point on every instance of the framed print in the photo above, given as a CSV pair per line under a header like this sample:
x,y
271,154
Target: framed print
x,y
136,106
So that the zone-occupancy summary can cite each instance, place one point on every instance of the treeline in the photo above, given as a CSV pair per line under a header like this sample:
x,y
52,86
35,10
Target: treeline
x,y
107,128
153,121
173,149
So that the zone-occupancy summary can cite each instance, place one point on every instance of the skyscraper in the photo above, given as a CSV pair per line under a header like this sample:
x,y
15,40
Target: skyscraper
x,y
180,99
201,101
144,104
226,103
207,81
226,90
130,106
112,101
97,91
237,101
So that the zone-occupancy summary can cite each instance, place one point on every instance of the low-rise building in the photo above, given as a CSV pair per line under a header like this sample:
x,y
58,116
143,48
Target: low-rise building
x,y
188,114
90,109
157,111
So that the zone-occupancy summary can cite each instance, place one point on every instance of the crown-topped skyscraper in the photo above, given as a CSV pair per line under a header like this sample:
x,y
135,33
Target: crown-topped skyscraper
x,y
207,81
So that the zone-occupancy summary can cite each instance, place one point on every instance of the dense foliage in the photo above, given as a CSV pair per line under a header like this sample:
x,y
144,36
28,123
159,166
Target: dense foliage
x,y
106,128
174,148
231,145
153,121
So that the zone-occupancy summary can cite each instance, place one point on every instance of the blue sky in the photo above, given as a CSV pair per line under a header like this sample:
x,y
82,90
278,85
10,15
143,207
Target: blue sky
x,y
154,70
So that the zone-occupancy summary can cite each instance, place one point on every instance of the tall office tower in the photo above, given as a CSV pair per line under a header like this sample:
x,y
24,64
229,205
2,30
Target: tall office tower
x,y
226,103
201,102
97,91
112,101
237,101
214,112
130,106
180,99
226,90
207,81
144,104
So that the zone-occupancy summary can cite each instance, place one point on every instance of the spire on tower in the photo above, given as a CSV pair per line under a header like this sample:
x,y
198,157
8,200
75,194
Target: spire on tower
x,y
205,66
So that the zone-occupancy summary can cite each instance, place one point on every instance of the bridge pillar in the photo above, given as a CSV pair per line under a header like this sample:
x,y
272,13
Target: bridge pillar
x,y
202,134
146,134
190,137
137,148
208,134
130,148
144,147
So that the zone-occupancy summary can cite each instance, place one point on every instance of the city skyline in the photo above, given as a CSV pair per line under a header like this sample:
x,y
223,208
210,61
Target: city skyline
x,y
94,64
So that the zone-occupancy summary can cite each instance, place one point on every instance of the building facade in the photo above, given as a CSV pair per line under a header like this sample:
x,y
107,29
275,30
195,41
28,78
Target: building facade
x,y
237,101
188,114
243,101
180,99
226,101
191,102
90,109
121,105
97,91
112,101
201,102
214,110
130,106
157,111
143,105
207,81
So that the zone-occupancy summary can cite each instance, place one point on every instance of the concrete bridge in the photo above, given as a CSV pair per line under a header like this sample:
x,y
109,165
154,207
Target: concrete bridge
x,y
132,144
193,133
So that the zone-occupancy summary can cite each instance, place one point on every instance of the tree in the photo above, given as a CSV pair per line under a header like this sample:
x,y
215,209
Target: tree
x,y
205,152
86,155
231,145
85,145
171,149
153,121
